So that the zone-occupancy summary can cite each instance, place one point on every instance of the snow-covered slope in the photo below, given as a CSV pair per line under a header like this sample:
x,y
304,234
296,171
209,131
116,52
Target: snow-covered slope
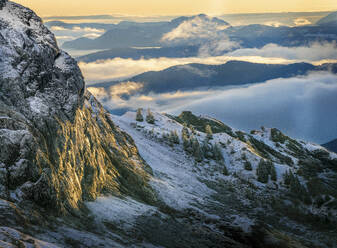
x,y
237,195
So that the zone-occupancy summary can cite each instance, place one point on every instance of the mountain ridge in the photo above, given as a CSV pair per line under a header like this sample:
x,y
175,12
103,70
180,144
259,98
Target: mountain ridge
x,y
332,145
232,73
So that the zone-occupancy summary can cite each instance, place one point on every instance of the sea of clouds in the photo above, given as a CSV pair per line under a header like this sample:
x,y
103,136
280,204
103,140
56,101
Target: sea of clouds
x,y
303,107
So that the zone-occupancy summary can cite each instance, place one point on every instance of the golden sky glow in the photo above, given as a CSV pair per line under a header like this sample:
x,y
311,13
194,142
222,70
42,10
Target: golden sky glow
x,y
173,7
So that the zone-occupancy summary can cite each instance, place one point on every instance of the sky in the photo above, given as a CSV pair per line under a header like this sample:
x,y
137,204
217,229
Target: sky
x,y
173,7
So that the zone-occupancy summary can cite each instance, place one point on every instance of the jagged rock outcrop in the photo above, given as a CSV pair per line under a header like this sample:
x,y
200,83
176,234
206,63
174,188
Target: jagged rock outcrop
x,y
58,145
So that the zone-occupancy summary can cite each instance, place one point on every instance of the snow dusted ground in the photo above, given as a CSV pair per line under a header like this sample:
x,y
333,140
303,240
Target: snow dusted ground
x,y
8,234
120,211
175,176
185,185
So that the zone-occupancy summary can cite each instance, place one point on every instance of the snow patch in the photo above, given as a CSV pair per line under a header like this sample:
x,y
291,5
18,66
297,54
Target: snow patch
x,y
37,105
175,180
120,211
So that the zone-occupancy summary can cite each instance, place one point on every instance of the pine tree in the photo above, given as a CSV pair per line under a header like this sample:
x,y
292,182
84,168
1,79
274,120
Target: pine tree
x,y
295,185
166,137
150,118
185,131
217,154
186,142
273,174
262,172
248,166
192,130
174,138
209,133
139,116
287,177
225,170
207,149
196,150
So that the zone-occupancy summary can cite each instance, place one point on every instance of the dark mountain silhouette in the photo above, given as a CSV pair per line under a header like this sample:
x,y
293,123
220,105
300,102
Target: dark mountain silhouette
x,y
332,145
233,73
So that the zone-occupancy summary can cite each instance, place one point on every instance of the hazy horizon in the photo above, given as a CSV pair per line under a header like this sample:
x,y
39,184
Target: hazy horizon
x,y
173,7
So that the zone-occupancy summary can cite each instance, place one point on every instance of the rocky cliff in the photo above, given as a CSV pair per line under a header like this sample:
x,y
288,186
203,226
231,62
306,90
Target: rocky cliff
x,y
58,145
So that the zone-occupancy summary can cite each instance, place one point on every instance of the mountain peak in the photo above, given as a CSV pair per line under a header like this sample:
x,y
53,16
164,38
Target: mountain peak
x,y
330,19
201,16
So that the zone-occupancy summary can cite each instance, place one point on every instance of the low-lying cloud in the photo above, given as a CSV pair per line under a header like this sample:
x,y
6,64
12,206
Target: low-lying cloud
x,y
67,34
77,29
120,69
314,52
303,107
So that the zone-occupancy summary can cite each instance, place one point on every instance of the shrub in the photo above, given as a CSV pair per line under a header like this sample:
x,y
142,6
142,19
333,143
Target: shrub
x,y
196,150
139,116
217,154
209,132
262,172
248,166
150,118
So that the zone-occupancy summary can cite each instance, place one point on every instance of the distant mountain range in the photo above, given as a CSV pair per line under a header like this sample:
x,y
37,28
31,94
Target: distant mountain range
x,y
138,53
233,73
134,34
79,25
150,34
332,145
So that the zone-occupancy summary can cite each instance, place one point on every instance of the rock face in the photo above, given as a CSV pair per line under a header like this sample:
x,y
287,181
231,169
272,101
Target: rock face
x,y
2,3
58,145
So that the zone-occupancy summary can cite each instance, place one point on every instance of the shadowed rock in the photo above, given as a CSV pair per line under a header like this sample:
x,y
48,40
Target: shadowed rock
x,y
58,145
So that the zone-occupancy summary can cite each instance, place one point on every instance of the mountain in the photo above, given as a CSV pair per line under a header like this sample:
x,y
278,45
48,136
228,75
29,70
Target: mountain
x,y
73,175
195,30
138,53
332,145
193,76
59,147
66,25
242,179
329,20
134,34
257,35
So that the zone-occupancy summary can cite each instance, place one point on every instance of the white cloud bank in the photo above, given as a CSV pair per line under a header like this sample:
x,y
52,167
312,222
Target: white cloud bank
x,y
303,107
118,68
312,53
